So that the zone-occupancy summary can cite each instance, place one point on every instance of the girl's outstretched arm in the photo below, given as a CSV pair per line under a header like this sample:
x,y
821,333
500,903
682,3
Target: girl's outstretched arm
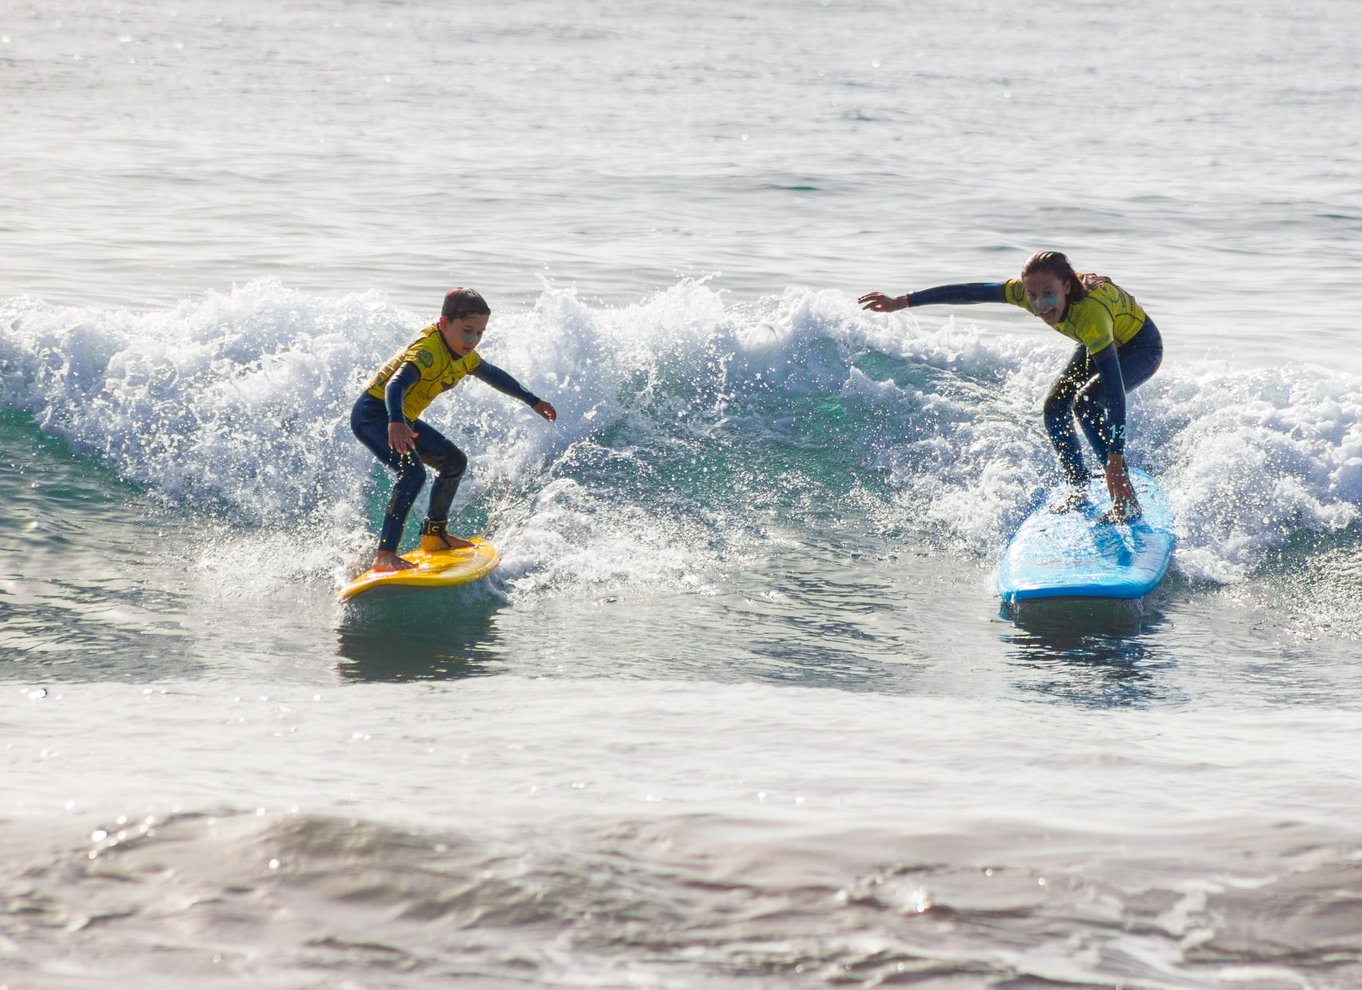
x,y
954,295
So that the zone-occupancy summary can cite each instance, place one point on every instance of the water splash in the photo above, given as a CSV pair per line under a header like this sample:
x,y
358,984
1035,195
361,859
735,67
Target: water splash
x,y
689,429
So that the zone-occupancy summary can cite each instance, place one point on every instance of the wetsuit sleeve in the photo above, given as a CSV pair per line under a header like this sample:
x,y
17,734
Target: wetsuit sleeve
x,y
969,292
1114,390
395,392
504,383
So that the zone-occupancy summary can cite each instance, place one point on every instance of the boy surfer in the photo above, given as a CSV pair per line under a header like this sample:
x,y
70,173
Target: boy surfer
x,y
385,419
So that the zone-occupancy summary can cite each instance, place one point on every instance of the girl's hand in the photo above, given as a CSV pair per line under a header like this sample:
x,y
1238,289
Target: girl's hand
x,y
546,410
1125,507
878,302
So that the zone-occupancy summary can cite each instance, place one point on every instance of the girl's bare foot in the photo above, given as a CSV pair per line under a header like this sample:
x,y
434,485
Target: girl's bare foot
x,y
1123,510
1072,502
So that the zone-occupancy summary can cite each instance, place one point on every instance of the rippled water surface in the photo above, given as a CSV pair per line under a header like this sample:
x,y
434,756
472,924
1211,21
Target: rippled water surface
x,y
740,707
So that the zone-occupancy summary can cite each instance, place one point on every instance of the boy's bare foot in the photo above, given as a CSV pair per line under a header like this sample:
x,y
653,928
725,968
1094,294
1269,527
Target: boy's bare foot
x,y
386,560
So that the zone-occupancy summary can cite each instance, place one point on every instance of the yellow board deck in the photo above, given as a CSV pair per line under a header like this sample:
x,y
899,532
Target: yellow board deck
x,y
440,569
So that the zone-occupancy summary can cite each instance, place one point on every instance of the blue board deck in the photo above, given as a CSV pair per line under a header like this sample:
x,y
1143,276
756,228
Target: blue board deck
x,y
1077,555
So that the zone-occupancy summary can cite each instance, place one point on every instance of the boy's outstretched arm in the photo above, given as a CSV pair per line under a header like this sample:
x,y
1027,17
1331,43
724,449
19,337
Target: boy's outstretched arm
x,y
504,383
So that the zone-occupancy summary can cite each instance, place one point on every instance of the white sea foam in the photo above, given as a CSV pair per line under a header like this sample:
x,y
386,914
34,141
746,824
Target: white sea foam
x,y
237,404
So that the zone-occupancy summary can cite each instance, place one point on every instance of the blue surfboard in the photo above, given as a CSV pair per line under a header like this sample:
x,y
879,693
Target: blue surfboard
x,y
1077,555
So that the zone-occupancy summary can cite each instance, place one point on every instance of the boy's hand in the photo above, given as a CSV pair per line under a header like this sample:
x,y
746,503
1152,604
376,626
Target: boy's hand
x,y
546,410
401,438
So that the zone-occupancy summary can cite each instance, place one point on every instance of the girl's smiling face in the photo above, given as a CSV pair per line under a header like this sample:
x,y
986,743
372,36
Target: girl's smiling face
x,y
464,334
1048,295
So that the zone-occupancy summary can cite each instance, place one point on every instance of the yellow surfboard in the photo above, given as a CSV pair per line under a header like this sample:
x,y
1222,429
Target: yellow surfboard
x,y
438,569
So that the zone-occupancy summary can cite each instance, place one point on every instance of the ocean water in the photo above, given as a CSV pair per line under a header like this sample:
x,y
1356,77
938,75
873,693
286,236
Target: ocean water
x,y
740,708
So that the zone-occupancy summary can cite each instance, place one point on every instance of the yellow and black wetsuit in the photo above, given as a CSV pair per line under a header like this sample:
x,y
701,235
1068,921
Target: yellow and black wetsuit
x,y
1119,348
1106,315
438,370
398,393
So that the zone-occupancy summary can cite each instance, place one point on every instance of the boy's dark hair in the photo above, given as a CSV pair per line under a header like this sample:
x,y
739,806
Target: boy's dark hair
x,y
1058,265
463,302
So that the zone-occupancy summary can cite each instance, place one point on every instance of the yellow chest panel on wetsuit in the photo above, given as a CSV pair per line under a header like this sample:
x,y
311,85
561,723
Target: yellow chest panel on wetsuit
x,y
441,369
1107,314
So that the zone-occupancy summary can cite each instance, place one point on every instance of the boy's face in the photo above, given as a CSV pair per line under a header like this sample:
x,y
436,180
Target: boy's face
x,y
465,333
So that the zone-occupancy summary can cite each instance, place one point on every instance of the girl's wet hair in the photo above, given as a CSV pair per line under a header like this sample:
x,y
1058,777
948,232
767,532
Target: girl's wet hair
x,y
1056,264
463,302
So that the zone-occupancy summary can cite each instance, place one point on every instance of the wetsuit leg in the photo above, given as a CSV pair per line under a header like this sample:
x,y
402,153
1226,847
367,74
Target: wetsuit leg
x,y
1140,358
1059,407
449,463
369,422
